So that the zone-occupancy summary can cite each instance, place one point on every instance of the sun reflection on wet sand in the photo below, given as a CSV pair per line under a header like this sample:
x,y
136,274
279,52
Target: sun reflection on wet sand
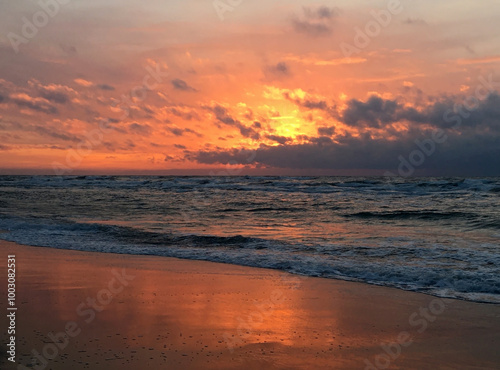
x,y
193,315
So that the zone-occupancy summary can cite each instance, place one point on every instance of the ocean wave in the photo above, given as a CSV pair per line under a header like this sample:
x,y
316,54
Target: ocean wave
x,y
321,185
420,214
442,270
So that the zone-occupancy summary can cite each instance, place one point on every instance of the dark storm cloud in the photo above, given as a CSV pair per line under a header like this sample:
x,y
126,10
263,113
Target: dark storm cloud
x,y
480,154
469,141
445,112
230,156
182,85
326,131
375,112
315,21
485,114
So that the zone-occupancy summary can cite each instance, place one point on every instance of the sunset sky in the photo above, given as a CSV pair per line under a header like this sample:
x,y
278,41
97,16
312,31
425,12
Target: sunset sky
x,y
274,87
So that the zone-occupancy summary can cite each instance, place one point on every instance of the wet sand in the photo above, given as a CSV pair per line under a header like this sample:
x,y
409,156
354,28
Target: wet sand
x,y
144,312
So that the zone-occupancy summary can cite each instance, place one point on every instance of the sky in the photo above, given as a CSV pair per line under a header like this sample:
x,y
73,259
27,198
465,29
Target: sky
x,y
393,87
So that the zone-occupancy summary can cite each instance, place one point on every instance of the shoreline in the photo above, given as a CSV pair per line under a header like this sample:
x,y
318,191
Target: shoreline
x,y
257,267
179,313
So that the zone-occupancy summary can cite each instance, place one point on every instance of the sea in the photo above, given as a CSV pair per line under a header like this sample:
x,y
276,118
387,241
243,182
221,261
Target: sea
x,y
439,236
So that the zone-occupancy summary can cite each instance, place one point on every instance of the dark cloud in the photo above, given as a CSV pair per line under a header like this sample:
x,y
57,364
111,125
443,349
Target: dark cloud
x,y
480,154
249,115
315,21
147,110
485,117
375,112
223,116
469,141
313,29
129,144
58,94
193,132
311,104
140,129
230,156
322,12
187,115
36,104
57,147
181,131
249,132
326,131
46,131
46,95
280,69
279,139
182,85
105,87
176,131
55,96
179,146
444,112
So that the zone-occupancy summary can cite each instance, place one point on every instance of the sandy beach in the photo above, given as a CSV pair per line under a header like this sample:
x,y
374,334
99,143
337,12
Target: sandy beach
x,y
144,312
